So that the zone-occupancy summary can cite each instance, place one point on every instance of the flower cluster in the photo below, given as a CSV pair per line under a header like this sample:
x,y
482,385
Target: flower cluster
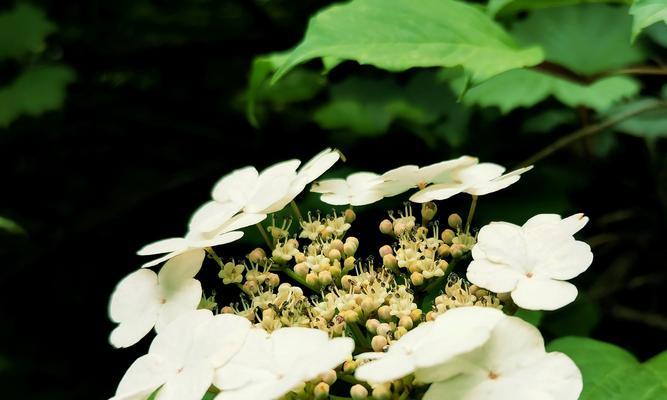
x,y
312,316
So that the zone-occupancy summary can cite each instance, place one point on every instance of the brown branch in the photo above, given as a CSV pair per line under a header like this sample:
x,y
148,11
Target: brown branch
x,y
572,76
589,131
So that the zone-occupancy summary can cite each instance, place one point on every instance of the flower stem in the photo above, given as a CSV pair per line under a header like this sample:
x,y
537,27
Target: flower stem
x,y
214,256
265,235
296,211
359,338
471,212
287,271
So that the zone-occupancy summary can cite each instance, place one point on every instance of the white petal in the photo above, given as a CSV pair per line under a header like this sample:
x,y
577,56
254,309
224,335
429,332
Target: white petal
x,y
290,344
236,186
363,180
136,290
179,301
132,330
164,258
502,242
329,356
221,339
565,260
498,278
174,342
539,220
386,369
492,186
219,240
163,246
439,191
442,172
269,191
364,198
479,173
146,374
212,215
262,390
574,223
252,363
335,199
329,186
241,221
317,166
399,180
190,383
180,270
543,294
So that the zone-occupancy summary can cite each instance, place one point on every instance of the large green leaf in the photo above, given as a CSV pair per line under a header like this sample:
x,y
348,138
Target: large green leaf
x,y
36,90
588,38
10,226
611,373
401,34
646,13
525,88
368,106
649,125
504,7
22,30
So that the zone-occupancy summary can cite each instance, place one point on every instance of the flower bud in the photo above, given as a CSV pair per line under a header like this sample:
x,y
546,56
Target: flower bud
x,y
384,313
382,392
399,228
431,316
456,250
443,250
400,331
227,310
454,221
383,329
416,315
352,239
312,279
346,282
338,329
250,287
257,256
386,249
273,280
301,269
367,306
386,227
390,262
324,278
334,254
299,257
349,248
350,216
328,377
358,392
372,325
405,322
378,343
349,366
429,210
417,279
349,316
321,391
337,244
335,270
447,236
422,232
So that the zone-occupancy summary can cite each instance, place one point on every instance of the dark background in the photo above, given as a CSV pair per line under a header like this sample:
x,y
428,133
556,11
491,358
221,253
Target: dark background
x,y
155,116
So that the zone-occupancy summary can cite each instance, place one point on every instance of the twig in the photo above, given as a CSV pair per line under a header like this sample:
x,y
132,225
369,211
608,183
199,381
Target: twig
x,y
589,131
651,319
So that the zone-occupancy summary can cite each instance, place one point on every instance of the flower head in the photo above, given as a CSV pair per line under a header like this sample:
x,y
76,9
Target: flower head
x,y
183,357
531,261
271,365
512,364
144,299
478,180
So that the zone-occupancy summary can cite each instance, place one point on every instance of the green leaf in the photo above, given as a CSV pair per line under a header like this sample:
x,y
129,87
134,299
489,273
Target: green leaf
x,y
549,120
22,31
36,90
368,106
587,39
578,318
611,373
532,317
401,34
525,88
507,7
11,226
649,125
646,13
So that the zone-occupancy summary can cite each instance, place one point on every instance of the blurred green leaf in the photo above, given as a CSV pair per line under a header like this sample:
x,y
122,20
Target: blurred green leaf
x,y
649,125
36,90
11,226
576,319
530,316
587,39
368,106
525,88
401,34
658,33
549,120
505,7
23,30
646,13
611,373
298,85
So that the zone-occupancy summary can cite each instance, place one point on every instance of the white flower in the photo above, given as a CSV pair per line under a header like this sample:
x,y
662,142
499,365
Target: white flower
x,y
431,343
269,366
358,189
401,179
183,357
227,233
511,365
476,180
144,299
531,261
